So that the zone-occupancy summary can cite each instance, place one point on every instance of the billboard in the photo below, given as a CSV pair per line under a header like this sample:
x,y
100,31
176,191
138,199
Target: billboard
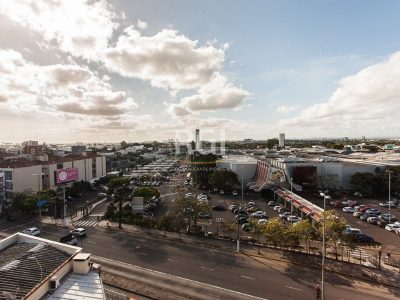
x,y
66,175
137,205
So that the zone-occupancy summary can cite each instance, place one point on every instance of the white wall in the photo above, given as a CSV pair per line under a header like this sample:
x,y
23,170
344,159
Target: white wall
x,y
24,180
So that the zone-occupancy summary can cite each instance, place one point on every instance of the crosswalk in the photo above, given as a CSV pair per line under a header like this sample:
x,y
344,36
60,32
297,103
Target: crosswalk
x,y
85,223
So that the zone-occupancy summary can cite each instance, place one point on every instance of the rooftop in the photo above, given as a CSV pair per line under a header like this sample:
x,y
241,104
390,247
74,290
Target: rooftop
x,y
77,287
23,265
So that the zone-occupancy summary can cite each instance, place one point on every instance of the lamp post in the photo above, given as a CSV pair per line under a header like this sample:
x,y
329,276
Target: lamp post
x,y
238,225
40,207
390,216
291,191
323,250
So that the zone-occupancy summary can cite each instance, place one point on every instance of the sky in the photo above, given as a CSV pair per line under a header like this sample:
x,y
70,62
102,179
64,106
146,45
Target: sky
x,y
107,71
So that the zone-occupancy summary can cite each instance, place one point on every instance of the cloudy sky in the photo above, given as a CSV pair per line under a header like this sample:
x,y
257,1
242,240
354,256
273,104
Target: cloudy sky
x,y
107,71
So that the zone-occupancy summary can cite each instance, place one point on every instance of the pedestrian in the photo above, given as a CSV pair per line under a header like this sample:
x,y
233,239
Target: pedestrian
x,y
318,292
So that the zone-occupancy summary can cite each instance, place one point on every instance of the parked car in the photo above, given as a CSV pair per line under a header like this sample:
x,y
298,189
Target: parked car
x,y
284,215
382,223
387,217
69,239
392,227
243,220
252,209
249,204
362,238
150,206
365,216
204,215
351,230
234,193
282,210
218,208
293,219
374,211
349,203
349,209
373,220
221,192
389,203
32,231
101,195
262,221
277,207
357,214
78,232
272,203
358,207
364,208
259,214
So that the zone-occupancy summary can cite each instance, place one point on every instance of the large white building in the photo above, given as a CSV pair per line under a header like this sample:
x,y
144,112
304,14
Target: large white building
x,y
19,175
243,166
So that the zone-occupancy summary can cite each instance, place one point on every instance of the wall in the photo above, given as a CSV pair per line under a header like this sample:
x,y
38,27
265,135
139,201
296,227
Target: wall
x,y
245,169
23,179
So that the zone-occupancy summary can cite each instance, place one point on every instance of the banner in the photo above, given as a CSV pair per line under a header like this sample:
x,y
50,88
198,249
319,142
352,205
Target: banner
x,y
66,175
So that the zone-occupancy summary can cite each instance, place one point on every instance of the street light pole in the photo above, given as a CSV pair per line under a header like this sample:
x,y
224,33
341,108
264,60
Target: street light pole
x,y
390,216
40,207
323,251
291,201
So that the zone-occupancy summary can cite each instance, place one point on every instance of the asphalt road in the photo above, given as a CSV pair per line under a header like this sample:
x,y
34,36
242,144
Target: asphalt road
x,y
266,279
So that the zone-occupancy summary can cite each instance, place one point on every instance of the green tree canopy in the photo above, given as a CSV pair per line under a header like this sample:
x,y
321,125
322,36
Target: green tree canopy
x,y
223,179
146,192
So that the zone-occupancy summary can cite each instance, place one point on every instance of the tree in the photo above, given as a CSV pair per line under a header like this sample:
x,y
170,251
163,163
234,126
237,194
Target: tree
x,y
124,145
256,228
274,231
272,142
189,208
229,228
166,223
334,228
223,179
25,201
146,192
362,181
110,212
305,231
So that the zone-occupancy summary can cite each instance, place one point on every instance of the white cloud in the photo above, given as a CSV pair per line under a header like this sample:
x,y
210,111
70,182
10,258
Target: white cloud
x,y
57,89
285,109
82,28
367,102
219,93
167,59
141,24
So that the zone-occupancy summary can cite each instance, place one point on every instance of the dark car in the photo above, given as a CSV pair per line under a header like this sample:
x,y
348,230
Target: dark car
x,y
218,208
69,239
242,220
382,223
362,238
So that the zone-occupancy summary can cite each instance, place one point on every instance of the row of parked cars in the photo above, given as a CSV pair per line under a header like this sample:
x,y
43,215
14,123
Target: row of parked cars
x,y
374,216
284,212
247,212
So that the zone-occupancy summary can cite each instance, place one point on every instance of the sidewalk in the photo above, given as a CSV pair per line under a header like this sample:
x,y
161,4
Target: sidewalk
x,y
70,220
388,275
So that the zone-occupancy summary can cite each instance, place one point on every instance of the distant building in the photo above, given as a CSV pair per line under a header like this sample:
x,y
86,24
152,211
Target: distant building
x,y
33,150
281,140
197,140
78,149
30,143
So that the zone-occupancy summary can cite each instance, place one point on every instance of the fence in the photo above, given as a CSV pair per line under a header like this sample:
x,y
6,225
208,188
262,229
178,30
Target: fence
x,y
113,295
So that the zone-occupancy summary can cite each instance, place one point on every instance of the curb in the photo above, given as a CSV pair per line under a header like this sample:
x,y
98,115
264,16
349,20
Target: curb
x,y
254,256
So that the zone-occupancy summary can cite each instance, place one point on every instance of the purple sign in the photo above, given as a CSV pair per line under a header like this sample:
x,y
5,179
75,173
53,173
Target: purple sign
x,y
66,175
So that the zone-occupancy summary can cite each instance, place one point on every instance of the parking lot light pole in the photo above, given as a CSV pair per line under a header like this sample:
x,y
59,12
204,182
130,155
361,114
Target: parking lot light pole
x,y
390,216
291,201
323,250
40,207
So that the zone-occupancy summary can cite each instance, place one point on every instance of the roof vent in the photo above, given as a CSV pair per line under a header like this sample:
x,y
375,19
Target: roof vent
x,y
54,283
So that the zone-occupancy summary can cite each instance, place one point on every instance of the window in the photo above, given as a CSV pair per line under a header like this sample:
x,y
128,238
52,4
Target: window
x,y
8,175
9,185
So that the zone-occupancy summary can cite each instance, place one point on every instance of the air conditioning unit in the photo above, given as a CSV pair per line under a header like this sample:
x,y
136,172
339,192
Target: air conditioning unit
x,y
54,282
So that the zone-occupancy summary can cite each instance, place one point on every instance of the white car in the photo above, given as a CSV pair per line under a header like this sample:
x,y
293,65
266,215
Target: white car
x,y
349,209
277,207
32,231
357,213
293,219
234,193
222,192
188,195
258,214
350,230
392,227
284,215
101,195
373,220
78,232
262,221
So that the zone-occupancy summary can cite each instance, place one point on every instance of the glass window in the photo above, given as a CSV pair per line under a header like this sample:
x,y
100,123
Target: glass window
x,y
8,175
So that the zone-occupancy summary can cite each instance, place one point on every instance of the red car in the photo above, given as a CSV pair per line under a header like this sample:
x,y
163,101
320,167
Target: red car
x,y
363,209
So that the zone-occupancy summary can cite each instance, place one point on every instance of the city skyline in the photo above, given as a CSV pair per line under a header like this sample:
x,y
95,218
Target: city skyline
x,y
311,70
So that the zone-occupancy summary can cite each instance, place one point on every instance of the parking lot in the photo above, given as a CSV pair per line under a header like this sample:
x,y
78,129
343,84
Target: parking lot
x,y
390,241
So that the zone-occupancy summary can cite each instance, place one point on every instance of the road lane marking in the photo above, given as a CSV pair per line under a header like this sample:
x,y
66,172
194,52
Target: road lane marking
x,y
141,253
247,277
91,242
293,288
172,260
205,268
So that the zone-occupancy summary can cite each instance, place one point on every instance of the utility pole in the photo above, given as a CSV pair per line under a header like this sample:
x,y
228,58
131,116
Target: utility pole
x,y
65,208
40,206
390,216
323,251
